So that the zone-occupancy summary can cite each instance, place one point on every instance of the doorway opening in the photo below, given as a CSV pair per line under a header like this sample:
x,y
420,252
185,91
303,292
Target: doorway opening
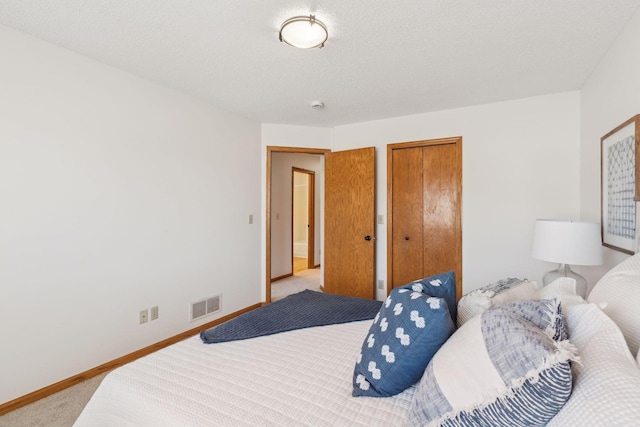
x,y
280,227
303,224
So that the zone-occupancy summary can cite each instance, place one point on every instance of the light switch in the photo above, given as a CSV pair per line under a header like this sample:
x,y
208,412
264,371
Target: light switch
x,y
250,219
380,219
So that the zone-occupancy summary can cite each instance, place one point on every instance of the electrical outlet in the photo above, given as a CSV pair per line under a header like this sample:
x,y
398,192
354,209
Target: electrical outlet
x,y
154,313
381,284
144,316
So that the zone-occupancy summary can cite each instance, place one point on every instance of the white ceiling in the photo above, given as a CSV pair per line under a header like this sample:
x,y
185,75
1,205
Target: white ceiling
x,y
382,59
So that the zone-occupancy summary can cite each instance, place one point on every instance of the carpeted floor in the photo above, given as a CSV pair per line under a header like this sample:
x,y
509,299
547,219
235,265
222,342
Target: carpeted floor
x,y
58,410
306,279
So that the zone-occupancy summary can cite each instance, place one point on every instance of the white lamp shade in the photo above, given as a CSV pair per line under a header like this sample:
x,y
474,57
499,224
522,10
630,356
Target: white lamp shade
x,y
567,242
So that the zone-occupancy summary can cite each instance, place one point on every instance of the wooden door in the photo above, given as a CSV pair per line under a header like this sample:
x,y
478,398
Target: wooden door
x,y
441,183
407,215
424,231
349,225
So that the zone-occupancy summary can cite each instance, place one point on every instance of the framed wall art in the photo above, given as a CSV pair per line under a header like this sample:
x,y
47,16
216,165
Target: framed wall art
x,y
618,186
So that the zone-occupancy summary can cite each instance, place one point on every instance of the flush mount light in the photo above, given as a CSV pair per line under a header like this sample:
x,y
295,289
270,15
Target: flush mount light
x,y
304,32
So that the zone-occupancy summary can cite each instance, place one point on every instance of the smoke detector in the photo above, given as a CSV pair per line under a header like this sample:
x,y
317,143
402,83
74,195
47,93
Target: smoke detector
x,y
317,105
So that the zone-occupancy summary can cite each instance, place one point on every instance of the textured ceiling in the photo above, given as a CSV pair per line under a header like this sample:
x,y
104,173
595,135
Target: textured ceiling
x,y
382,59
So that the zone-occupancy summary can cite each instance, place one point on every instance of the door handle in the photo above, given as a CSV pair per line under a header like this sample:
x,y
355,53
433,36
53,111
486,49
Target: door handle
x,y
367,237
406,237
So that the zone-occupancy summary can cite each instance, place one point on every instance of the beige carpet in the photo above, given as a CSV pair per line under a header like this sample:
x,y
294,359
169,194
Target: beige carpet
x,y
306,279
58,410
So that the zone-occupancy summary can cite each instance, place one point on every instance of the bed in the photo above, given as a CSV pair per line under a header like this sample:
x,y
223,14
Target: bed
x,y
306,376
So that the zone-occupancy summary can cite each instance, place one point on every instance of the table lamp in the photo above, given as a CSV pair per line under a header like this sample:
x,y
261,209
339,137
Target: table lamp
x,y
567,242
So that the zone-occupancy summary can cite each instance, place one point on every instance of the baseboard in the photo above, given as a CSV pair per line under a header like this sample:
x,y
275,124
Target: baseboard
x,y
284,276
76,379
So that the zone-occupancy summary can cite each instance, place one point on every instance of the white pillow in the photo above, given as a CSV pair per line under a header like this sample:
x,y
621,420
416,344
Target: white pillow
x,y
606,383
495,294
620,290
564,289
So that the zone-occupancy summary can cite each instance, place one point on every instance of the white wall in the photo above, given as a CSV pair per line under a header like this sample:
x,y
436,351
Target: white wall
x,y
117,195
610,96
281,166
519,163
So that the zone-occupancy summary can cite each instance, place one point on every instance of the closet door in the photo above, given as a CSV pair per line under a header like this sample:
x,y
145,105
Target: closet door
x,y
424,231
441,198
407,215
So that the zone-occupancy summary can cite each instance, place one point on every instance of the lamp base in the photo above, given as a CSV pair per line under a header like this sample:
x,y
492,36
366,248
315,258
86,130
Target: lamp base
x,y
564,270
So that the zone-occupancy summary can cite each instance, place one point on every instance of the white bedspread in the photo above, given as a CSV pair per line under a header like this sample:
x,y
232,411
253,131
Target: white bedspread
x,y
304,377
300,377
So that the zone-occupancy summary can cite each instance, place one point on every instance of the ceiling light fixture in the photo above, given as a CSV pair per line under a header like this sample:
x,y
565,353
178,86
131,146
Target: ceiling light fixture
x,y
304,32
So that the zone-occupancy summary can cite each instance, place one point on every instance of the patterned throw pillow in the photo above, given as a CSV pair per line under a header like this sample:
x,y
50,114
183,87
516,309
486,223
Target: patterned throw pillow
x,y
407,331
495,294
546,314
442,286
500,368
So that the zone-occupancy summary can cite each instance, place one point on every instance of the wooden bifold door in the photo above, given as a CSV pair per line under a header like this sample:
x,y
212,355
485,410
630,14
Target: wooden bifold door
x,y
424,230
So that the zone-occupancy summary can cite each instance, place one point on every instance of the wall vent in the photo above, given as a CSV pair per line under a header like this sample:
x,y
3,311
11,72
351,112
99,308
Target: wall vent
x,y
213,304
198,309
205,307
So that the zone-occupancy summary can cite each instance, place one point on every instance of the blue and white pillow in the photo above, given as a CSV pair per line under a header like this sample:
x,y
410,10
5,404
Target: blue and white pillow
x,y
407,331
498,369
441,285
546,314
495,294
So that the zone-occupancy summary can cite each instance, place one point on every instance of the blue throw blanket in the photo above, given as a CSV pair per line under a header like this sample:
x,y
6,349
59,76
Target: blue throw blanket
x,y
302,310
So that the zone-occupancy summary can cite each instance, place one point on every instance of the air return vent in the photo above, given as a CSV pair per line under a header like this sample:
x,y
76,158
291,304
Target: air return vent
x,y
213,304
205,307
